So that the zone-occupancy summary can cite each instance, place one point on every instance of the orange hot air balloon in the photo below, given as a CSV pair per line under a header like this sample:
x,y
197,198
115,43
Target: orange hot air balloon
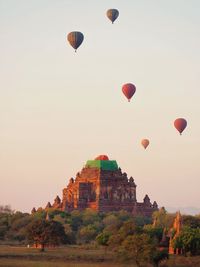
x,y
128,90
75,39
112,14
102,157
180,124
145,143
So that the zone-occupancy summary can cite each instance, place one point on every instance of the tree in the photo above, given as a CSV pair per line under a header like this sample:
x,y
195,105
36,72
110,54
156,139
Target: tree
x,y
188,240
162,218
126,229
138,247
3,231
17,230
6,209
158,256
4,224
112,223
102,239
90,216
142,220
124,215
42,232
191,221
76,220
87,234
115,241
39,214
153,232
70,236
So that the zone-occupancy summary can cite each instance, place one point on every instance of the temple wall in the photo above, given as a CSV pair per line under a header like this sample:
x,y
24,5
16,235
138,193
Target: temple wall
x,y
104,190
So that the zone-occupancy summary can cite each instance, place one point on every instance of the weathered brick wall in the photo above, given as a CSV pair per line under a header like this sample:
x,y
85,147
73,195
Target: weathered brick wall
x,y
104,190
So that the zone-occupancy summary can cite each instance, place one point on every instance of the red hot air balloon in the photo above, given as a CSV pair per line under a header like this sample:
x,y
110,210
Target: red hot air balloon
x,y
112,14
180,124
145,143
75,39
128,90
102,157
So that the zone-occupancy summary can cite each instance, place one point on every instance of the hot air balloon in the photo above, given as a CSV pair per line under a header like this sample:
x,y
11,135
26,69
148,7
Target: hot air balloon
x,y
102,157
75,39
112,14
180,124
128,90
145,143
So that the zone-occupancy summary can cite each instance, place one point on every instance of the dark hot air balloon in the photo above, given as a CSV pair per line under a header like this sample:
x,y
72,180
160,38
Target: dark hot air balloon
x,y
180,124
75,39
128,90
112,14
145,143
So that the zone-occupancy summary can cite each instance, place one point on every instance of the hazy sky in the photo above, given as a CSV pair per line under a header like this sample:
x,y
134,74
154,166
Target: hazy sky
x,y
59,108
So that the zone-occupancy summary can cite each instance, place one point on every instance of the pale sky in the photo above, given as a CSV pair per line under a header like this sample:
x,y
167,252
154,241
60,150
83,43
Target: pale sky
x,y
59,108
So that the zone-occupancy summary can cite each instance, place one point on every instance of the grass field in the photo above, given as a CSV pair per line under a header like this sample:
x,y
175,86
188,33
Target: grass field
x,y
71,256
75,256
30,263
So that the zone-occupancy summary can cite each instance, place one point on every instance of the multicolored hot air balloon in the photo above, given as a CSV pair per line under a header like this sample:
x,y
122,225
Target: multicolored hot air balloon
x,y
75,39
128,90
112,14
145,143
180,124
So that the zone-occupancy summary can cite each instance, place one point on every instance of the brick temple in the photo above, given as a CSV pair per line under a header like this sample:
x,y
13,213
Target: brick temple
x,y
102,186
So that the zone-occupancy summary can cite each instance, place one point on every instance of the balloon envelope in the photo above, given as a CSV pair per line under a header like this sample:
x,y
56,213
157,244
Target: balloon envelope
x,y
145,143
112,14
102,157
128,90
180,124
75,39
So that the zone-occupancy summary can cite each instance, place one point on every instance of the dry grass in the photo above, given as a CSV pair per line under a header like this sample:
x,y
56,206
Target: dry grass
x,y
71,256
30,263
75,256
62,253
181,261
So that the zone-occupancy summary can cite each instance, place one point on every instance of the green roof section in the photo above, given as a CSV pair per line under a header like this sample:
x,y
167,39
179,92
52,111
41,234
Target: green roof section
x,y
106,165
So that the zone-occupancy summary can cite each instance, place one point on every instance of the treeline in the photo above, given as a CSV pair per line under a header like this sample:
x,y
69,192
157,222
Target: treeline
x,y
132,238
80,226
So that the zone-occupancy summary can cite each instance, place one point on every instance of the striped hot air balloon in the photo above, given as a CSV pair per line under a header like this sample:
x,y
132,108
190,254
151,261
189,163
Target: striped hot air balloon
x,y
75,39
112,14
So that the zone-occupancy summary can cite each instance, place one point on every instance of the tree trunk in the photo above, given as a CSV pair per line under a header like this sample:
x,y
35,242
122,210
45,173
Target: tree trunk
x,y
42,248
